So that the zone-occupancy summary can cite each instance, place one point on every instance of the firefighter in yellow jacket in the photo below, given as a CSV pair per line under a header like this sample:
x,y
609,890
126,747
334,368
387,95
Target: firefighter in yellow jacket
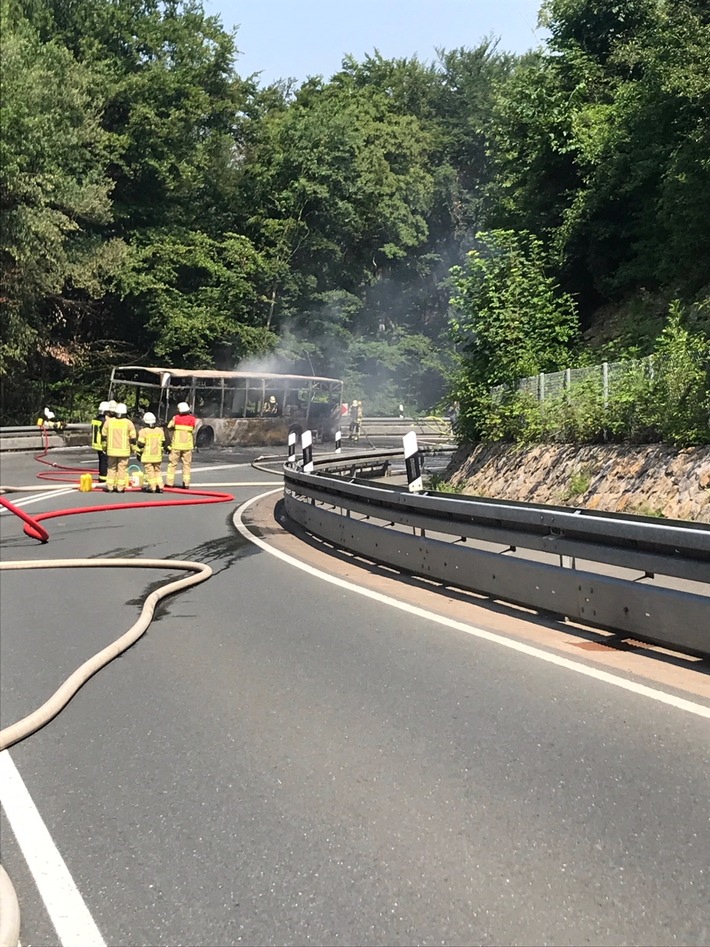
x,y
149,450
119,435
181,429
97,441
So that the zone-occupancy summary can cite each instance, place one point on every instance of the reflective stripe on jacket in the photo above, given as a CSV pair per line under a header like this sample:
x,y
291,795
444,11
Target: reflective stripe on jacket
x,y
97,441
183,428
151,441
118,434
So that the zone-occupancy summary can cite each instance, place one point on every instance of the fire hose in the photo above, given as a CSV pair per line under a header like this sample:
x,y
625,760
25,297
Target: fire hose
x,y
12,734
9,906
41,458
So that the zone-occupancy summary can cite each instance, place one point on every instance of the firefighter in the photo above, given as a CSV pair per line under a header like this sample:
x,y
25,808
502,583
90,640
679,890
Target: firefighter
x,y
181,430
355,420
97,441
149,450
119,436
48,421
271,406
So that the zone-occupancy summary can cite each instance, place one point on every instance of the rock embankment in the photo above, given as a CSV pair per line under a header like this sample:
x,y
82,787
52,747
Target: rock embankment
x,y
652,480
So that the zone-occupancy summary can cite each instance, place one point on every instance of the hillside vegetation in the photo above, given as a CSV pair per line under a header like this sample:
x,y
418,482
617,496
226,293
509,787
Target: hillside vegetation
x,y
425,230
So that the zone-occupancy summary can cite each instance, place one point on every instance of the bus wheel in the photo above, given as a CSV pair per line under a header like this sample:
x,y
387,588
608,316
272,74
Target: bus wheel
x,y
205,437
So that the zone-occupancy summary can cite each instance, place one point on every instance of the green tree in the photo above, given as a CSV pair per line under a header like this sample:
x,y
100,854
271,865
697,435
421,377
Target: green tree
x,y
169,130
55,195
595,28
361,190
337,188
199,298
600,144
509,320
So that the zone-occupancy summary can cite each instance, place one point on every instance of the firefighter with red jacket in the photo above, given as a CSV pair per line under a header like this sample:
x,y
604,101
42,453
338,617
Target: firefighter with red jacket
x,y
181,430
119,435
149,450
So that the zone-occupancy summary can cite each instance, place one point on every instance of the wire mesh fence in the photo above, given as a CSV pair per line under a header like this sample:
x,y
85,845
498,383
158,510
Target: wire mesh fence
x,y
549,385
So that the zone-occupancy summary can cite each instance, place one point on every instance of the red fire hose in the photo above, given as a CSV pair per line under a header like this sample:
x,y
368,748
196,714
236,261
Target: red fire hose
x,y
32,525
33,528
41,458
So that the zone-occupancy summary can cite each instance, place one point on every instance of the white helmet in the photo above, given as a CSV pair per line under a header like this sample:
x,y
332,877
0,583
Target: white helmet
x,y
149,417
183,407
104,407
121,409
49,414
112,406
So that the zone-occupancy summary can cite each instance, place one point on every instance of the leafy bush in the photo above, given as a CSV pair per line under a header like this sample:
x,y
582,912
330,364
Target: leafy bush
x,y
665,399
578,484
510,319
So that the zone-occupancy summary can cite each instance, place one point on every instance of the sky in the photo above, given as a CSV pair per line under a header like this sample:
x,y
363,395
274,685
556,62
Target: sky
x,y
284,39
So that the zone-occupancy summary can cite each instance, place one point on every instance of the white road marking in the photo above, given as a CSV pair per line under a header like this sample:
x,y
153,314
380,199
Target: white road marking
x,y
221,467
60,492
66,907
235,483
643,690
39,497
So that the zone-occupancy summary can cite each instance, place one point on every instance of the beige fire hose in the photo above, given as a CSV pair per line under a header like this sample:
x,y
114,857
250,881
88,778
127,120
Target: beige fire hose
x,y
9,912
9,909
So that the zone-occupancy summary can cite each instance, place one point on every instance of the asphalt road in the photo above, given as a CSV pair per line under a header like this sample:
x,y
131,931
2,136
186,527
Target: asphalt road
x,y
282,761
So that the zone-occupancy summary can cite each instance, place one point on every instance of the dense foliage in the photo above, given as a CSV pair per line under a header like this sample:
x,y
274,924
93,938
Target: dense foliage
x,y
423,230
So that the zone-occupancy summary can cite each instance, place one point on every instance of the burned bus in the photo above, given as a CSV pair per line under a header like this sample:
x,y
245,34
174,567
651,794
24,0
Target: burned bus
x,y
233,408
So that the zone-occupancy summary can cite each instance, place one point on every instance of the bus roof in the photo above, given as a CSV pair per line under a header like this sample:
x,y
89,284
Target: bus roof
x,y
213,373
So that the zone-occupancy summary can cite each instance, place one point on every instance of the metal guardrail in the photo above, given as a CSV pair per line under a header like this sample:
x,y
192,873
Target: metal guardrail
x,y
429,427
640,577
31,437
28,429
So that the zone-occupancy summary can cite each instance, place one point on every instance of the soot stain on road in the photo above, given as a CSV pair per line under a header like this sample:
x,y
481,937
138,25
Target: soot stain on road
x,y
225,550
121,552
219,553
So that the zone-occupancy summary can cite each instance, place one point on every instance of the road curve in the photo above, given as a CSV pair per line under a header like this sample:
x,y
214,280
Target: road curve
x,y
283,761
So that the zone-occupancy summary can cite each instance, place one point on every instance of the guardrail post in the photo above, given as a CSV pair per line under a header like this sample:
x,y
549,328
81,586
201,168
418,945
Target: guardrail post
x,y
292,448
307,448
338,437
413,462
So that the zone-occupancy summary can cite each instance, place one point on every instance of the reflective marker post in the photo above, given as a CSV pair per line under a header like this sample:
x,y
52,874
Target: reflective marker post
x,y
292,448
413,461
307,448
338,435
